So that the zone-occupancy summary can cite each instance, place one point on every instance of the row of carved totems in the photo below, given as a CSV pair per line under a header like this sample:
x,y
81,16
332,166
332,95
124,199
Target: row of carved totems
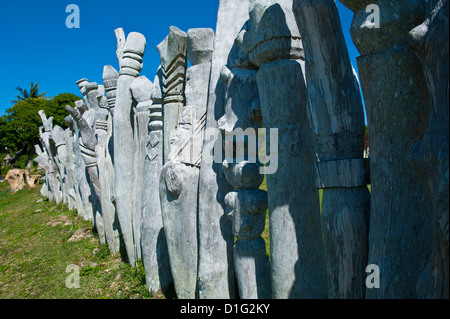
x,y
132,160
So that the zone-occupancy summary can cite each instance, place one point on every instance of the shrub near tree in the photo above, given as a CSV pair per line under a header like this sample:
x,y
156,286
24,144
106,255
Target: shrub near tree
x,y
19,128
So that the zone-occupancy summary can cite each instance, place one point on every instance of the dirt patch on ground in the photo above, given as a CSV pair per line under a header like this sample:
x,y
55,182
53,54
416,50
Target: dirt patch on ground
x,y
80,234
61,220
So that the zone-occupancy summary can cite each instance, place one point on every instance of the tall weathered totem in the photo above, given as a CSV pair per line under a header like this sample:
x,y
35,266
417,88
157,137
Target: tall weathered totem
x,y
173,53
141,90
336,116
86,114
396,98
45,139
105,153
81,180
179,176
216,277
155,256
74,198
130,53
429,41
246,204
272,41
43,161
59,142
88,143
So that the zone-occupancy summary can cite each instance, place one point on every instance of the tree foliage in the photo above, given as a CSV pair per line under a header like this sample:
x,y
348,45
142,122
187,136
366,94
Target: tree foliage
x,y
19,128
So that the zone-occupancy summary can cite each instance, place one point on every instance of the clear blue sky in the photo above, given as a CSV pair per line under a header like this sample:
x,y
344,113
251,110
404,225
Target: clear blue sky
x,y
37,46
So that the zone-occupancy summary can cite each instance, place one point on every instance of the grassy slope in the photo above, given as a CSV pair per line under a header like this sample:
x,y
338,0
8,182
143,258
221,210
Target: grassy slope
x,y
34,255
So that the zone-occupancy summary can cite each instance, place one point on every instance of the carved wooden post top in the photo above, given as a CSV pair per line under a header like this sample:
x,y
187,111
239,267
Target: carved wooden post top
x,y
173,54
271,33
48,122
121,39
141,89
86,87
157,91
70,122
133,52
200,45
396,19
172,47
58,136
110,77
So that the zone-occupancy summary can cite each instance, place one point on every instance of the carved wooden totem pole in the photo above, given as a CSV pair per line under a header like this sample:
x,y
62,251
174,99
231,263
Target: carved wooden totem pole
x,y
155,256
105,153
82,187
337,118
130,53
246,204
59,142
216,276
272,41
396,98
429,40
180,176
88,142
173,52
45,138
141,90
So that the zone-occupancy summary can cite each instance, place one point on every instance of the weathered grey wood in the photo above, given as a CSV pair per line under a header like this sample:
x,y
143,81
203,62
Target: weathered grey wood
x,y
336,116
90,113
45,138
216,278
180,176
272,41
395,96
155,255
105,155
88,143
124,150
246,205
173,53
141,90
429,156
178,191
179,200
74,198
43,161
279,38
247,208
58,137
346,173
81,184
297,256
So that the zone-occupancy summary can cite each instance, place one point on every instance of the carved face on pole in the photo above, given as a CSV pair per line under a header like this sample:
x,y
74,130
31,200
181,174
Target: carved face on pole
x,y
181,136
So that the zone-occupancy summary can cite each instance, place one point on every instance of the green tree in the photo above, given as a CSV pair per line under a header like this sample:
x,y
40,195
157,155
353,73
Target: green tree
x,y
57,108
19,128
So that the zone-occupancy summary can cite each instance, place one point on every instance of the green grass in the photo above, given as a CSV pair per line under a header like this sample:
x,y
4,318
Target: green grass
x,y
34,255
